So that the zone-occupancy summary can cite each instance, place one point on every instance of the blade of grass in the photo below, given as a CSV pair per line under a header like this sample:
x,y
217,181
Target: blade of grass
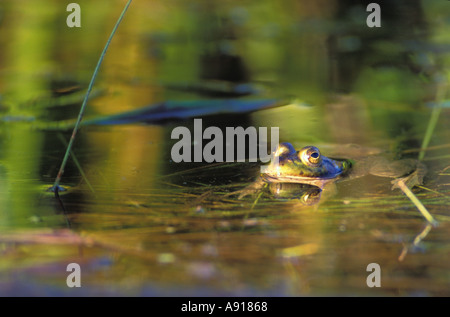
x,y
55,186
440,95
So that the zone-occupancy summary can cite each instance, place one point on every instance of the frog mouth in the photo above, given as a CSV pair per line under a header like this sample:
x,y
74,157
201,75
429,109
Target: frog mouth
x,y
315,181
296,179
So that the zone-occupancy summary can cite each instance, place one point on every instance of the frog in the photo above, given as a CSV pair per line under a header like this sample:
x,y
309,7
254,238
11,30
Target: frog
x,y
309,166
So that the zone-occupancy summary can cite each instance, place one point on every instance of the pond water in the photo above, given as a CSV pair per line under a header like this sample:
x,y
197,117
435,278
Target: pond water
x,y
139,224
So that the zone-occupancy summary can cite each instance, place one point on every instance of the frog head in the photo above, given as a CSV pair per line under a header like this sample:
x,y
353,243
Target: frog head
x,y
303,166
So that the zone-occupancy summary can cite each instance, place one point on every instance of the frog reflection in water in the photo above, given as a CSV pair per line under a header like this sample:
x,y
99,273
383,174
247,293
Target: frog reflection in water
x,y
308,166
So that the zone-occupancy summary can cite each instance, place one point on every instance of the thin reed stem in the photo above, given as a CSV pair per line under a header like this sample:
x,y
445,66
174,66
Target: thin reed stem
x,y
55,186
440,95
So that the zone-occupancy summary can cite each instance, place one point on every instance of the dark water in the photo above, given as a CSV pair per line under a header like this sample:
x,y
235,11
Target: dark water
x,y
139,224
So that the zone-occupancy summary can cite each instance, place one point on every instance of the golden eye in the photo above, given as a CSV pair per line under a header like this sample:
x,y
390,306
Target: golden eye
x,y
310,155
314,156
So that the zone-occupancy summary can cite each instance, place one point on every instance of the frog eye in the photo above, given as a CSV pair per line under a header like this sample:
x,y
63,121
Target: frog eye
x,y
310,155
284,149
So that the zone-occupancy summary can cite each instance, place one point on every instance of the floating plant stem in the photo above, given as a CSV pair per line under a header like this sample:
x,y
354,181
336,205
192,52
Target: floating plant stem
x,y
55,186
417,203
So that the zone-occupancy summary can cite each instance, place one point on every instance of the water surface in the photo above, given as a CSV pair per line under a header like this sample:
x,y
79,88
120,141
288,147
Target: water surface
x,y
139,224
